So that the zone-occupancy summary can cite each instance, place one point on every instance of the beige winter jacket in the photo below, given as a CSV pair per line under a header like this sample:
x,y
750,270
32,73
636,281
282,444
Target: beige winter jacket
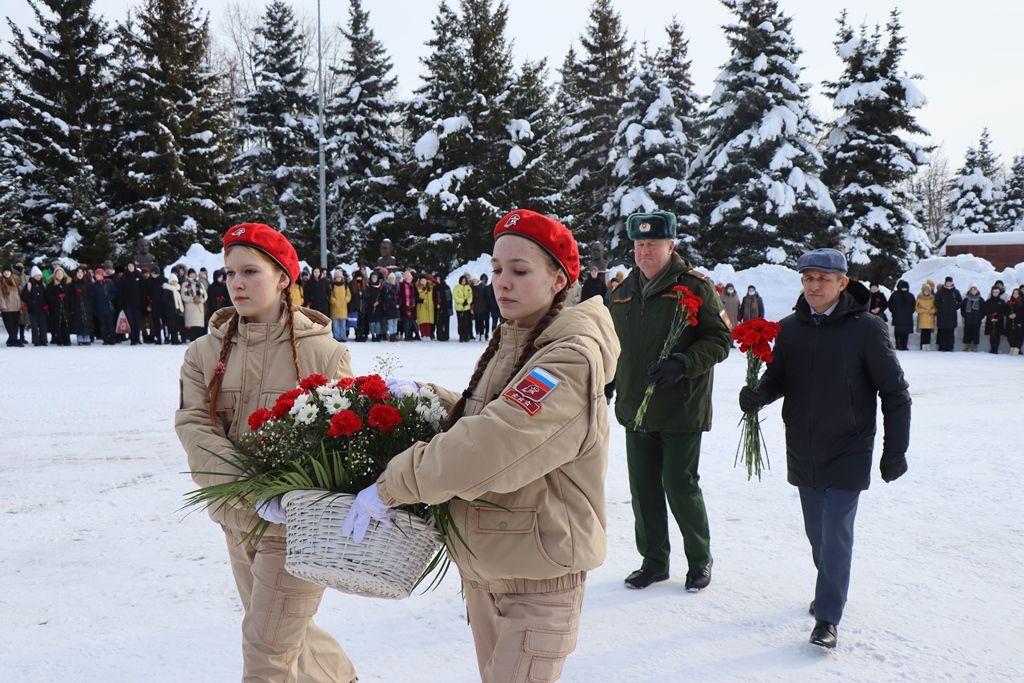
x,y
193,295
547,468
11,301
259,368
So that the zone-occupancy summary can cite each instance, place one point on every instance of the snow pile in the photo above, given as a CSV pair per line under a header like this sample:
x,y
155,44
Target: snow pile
x,y
966,270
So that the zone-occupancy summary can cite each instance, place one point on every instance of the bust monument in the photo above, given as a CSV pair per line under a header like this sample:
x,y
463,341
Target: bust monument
x,y
143,259
598,259
387,260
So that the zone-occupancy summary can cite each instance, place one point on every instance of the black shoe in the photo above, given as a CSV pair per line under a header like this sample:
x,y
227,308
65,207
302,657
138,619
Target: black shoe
x,y
824,635
642,578
810,610
698,579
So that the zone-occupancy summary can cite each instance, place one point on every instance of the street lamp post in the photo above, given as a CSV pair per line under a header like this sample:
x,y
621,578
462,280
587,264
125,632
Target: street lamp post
x,y
320,140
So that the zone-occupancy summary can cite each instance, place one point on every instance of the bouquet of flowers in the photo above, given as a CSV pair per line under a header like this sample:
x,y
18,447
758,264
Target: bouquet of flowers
x,y
755,338
333,437
685,316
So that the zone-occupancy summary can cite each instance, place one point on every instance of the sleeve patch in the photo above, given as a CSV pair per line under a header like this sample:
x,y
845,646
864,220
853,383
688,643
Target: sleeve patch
x,y
529,405
537,385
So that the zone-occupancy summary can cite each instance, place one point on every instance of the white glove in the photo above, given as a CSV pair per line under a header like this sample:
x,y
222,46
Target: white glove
x,y
367,506
270,510
401,387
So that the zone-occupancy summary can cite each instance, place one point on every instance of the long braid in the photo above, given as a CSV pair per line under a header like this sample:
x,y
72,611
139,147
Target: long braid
x,y
213,390
556,307
290,309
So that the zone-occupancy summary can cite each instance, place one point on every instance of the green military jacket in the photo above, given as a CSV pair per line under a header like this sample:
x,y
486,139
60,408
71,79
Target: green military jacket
x,y
642,320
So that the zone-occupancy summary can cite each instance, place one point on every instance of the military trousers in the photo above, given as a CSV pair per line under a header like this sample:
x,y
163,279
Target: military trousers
x,y
280,642
663,467
523,637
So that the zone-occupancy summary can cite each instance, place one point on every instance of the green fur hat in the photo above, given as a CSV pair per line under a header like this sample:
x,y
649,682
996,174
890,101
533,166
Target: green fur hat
x,y
660,225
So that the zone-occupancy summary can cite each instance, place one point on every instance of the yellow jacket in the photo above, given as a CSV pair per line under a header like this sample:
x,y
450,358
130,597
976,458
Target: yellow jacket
x,y
926,312
463,297
425,307
543,471
259,368
340,296
296,294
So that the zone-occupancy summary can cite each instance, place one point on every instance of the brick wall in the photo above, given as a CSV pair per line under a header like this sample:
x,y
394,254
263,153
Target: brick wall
x,y
999,255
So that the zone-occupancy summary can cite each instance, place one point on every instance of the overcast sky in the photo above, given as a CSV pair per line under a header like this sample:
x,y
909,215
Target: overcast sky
x,y
970,54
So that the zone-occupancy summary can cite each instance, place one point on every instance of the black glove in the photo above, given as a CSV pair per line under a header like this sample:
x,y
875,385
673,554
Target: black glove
x,y
893,467
668,371
609,390
750,400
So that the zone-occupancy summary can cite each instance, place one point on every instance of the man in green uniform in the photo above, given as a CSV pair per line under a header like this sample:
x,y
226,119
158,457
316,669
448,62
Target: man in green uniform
x,y
663,454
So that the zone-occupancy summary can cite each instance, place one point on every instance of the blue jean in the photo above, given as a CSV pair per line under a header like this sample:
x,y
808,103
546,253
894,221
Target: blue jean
x,y
392,325
339,328
829,515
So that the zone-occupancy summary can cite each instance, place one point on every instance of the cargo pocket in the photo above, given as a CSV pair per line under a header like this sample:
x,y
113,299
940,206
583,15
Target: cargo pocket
x,y
546,652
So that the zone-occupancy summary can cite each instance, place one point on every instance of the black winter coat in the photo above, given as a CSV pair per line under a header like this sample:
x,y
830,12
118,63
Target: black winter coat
x,y
901,305
34,298
318,295
831,376
130,290
58,299
947,302
81,307
370,309
442,299
995,315
216,297
1014,307
593,286
389,295
481,305
152,293
972,310
879,301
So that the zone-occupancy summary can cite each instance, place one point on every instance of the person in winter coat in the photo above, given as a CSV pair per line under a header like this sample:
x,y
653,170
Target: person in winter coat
x,y
58,301
425,308
355,305
947,305
390,304
194,295
174,310
296,294
341,295
482,309
832,361
926,311
216,295
130,291
594,285
878,304
407,307
535,401
663,455
902,305
10,305
256,350
1015,321
995,318
318,292
81,307
442,309
33,295
492,306
372,311
752,305
463,296
731,304
971,310
104,304
22,275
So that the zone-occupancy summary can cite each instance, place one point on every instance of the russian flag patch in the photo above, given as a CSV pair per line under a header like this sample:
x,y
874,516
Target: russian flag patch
x,y
531,390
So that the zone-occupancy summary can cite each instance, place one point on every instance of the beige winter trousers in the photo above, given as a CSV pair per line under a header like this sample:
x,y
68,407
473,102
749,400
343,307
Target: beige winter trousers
x,y
523,637
280,642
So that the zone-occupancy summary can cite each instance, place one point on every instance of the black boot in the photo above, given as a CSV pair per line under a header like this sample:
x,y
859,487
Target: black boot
x,y
698,579
642,578
824,635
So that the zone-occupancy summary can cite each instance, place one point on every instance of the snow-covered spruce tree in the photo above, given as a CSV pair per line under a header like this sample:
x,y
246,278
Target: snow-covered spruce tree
x,y
757,175
52,128
1011,210
971,199
174,139
593,93
459,121
869,157
674,68
363,152
649,149
276,166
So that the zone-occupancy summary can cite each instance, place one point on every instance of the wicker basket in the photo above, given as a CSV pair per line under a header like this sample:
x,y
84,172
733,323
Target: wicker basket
x,y
387,564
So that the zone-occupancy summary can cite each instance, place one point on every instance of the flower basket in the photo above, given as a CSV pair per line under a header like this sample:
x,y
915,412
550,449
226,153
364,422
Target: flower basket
x,y
389,562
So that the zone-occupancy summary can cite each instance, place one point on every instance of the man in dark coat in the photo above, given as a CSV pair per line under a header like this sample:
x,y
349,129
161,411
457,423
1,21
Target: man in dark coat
x,y
482,309
130,292
901,305
442,308
104,305
947,302
664,452
33,296
832,361
878,304
594,285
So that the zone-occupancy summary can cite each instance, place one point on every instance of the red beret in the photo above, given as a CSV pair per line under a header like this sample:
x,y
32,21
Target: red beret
x,y
267,240
547,233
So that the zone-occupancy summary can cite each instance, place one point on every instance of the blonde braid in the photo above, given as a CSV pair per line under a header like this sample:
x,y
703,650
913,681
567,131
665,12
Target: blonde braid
x,y
213,390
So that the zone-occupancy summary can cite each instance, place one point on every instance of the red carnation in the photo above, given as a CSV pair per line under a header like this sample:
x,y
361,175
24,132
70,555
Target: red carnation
x,y
345,423
284,403
374,389
259,418
313,381
345,382
384,417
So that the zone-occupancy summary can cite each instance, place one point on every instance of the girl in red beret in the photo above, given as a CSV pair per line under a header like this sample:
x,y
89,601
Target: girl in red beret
x,y
257,349
522,463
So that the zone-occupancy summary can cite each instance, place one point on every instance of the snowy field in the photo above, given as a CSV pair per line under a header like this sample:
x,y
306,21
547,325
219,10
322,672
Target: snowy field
x,y
104,579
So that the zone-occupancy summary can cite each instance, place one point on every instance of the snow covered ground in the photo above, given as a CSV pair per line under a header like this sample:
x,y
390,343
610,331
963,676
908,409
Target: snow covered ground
x,y
104,579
